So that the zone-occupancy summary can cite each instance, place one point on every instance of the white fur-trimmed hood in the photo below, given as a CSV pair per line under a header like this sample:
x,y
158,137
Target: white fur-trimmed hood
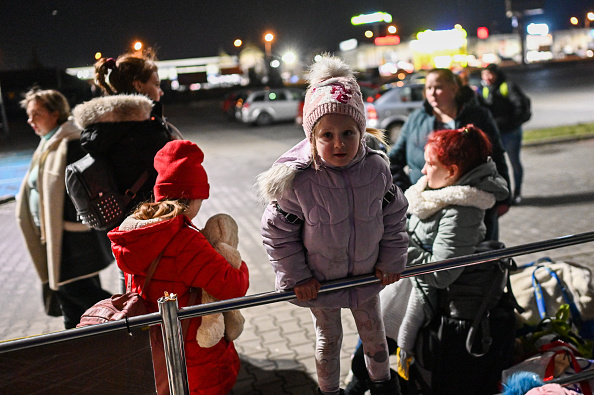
x,y
424,203
273,182
116,108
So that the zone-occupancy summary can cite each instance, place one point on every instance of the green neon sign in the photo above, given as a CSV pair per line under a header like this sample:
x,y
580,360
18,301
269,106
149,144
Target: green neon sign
x,y
371,18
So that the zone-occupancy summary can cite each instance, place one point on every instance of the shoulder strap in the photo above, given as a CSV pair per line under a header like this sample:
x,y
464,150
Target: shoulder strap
x,y
194,293
389,196
542,309
133,190
291,218
149,274
482,317
536,262
175,133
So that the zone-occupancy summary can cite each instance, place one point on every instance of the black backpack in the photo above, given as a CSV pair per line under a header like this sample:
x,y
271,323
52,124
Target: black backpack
x,y
525,112
526,106
459,337
93,191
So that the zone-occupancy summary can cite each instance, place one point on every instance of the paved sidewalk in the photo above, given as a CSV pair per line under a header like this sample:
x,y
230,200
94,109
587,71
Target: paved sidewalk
x,y
277,345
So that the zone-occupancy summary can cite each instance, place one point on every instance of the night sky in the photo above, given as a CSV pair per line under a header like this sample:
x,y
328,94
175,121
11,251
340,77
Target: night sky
x,y
66,33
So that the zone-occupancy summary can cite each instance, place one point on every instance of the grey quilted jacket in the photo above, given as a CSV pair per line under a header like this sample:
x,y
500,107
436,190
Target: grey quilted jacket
x,y
448,222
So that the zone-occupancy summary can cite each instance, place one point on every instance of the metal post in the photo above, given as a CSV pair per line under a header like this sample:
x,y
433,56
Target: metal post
x,y
174,346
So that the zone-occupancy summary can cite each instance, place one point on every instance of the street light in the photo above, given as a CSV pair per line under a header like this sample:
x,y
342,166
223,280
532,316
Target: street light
x,y
237,43
268,44
573,20
289,57
137,46
589,18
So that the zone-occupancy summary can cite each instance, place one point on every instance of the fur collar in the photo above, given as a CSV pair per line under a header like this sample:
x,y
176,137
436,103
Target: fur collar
x,y
273,182
424,202
131,223
116,108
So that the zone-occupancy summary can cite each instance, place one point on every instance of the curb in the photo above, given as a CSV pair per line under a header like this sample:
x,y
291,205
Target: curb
x,y
6,199
555,140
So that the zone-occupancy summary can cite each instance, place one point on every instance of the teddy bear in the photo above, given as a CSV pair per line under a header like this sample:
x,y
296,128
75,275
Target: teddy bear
x,y
222,233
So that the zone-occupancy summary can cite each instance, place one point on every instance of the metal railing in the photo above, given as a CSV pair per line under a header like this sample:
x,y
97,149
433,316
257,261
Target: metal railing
x,y
170,315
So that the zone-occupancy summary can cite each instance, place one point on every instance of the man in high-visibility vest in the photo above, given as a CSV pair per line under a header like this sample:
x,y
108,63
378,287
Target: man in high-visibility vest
x,y
510,108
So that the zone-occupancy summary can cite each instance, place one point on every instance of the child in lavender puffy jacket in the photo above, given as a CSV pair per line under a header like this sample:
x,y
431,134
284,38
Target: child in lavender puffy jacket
x,y
334,213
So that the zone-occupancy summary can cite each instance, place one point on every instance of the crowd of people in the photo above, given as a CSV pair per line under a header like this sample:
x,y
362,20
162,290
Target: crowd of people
x,y
334,208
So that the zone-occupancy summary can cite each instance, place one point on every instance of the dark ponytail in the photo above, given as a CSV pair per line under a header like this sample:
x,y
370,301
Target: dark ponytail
x,y
118,76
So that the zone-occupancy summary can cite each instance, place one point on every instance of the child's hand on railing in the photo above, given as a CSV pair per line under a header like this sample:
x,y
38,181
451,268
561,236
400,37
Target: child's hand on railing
x,y
308,290
387,278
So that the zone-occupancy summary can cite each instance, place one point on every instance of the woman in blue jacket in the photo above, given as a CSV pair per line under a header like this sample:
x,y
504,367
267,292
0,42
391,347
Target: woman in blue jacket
x,y
445,107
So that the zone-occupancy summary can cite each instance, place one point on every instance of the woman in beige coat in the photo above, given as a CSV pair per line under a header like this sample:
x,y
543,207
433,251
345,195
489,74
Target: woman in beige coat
x,y
67,254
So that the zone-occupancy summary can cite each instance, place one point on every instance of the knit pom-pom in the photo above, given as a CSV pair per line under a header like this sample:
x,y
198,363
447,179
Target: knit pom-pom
x,y
329,67
521,382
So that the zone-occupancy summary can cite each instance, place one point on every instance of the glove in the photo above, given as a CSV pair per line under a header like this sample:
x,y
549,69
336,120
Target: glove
x,y
403,362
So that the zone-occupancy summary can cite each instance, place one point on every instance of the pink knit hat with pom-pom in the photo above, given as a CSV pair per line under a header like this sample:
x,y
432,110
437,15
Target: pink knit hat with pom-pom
x,y
333,89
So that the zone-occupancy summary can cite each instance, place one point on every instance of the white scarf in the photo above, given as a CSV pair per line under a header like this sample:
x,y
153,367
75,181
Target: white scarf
x,y
424,202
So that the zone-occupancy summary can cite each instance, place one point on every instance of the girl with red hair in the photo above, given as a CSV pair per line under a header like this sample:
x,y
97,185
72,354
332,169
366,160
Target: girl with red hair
x,y
446,206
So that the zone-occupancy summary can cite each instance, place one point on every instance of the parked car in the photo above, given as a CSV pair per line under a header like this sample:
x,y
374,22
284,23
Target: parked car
x,y
391,109
418,77
230,101
266,106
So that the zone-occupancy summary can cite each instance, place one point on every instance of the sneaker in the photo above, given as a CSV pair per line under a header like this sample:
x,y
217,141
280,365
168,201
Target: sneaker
x,y
517,200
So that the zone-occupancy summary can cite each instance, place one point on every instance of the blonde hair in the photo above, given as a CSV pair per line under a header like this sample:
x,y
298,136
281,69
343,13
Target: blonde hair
x,y
165,209
51,99
378,134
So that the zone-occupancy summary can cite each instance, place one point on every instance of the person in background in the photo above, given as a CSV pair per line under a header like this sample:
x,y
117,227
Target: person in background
x,y
131,73
67,254
445,107
187,260
468,92
503,99
126,127
447,207
325,221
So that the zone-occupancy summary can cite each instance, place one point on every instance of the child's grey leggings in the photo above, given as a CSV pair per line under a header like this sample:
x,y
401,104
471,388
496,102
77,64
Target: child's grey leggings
x,y
370,326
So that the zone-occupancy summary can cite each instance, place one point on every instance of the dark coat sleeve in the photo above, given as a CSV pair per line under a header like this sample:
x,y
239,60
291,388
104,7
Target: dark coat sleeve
x,y
481,117
397,156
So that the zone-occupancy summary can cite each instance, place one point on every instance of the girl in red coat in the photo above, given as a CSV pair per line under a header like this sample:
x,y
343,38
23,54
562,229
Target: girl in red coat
x,y
188,261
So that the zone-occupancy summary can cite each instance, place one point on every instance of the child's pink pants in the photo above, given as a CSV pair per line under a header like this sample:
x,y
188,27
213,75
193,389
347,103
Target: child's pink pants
x,y
370,326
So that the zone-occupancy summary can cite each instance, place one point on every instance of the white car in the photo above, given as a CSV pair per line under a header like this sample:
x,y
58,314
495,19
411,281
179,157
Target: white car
x,y
266,106
391,109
